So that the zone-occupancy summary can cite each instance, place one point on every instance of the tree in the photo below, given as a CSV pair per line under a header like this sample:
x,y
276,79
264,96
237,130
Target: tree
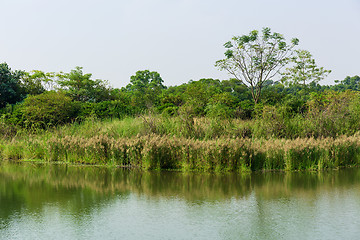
x,y
304,70
221,105
254,59
236,88
199,93
10,91
34,83
352,83
80,86
37,82
145,87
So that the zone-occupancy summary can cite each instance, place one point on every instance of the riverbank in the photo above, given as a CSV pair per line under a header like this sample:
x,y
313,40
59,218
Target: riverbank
x,y
100,143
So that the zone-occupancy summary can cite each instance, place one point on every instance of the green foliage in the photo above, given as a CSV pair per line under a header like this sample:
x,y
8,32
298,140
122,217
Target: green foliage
x,y
272,122
333,113
283,111
36,82
198,94
145,87
352,83
221,105
45,110
294,105
10,91
245,110
304,70
254,59
7,130
272,93
218,111
80,86
325,114
236,88
105,110
170,101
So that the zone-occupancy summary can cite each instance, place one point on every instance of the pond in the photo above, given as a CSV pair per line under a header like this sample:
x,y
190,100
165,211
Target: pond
x,y
58,201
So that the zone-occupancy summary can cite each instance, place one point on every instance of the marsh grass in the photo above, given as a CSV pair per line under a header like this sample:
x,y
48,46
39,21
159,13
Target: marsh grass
x,y
155,142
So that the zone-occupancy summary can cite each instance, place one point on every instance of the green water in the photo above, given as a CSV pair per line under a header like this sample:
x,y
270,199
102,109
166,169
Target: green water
x,y
39,201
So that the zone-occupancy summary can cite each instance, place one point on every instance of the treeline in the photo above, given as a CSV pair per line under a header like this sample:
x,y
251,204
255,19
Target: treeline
x,y
38,100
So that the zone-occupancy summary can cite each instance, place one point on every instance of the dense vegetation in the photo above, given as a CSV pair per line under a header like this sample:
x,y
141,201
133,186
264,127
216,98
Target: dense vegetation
x,y
291,111
70,115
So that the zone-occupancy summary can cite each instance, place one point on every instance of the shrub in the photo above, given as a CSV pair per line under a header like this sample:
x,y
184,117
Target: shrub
x,y
105,109
244,110
45,110
218,111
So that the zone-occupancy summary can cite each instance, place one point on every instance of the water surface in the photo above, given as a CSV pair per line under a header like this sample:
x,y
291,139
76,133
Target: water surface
x,y
42,201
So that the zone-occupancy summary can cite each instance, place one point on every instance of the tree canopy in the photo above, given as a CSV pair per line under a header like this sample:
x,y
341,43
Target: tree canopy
x,y
81,87
304,70
145,87
254,59
10,91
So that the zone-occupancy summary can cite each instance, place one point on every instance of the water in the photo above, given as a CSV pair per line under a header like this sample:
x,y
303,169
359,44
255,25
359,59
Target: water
x,y
39,201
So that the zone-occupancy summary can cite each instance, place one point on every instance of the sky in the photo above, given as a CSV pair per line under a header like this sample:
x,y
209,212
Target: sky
x,y
180,39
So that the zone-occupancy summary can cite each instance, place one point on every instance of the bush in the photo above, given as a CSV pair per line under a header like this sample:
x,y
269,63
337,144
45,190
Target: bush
x,y
45,110
105,109
244,110
218,111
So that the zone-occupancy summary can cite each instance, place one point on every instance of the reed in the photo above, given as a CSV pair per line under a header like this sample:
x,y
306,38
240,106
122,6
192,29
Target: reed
x,y
154,152
185,143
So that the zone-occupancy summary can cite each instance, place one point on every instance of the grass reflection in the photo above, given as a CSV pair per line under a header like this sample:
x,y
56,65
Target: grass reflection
x,y
80,188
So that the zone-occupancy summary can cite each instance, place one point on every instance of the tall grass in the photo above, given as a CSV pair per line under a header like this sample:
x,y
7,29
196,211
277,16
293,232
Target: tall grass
x,y
110,142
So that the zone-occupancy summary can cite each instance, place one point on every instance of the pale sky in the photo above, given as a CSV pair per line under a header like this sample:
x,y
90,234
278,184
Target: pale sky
x,y
180,39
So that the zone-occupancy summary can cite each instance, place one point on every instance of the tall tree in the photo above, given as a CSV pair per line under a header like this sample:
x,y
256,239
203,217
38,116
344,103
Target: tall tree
x,y
254,59
304,70
80,86
145,87
10,91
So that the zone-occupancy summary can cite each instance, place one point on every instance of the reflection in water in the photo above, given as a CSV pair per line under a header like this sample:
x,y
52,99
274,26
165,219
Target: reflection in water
x,y
43,200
